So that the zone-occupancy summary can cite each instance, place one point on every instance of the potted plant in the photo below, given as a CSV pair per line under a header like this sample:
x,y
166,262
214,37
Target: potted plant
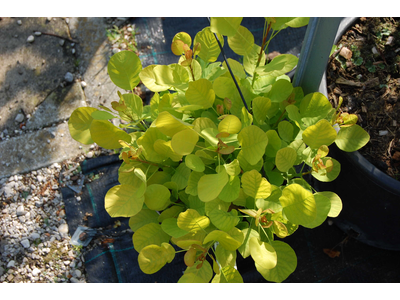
x,y
209,166
362,73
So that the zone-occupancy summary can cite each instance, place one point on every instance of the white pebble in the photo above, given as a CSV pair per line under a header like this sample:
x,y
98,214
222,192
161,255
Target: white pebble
x,y
19,22
38,33
25,243
11,264
62,42
30,39
35,272
383,132
21,211
83,84
63,228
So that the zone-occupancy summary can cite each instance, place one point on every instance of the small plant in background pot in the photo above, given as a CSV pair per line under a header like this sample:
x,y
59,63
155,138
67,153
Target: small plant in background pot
x,y
209,165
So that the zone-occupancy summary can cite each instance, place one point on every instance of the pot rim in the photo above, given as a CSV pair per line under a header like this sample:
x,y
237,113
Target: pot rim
x,y
385,181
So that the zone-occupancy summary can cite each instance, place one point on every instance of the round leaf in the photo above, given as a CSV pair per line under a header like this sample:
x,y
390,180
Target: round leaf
x,y
323,175
253,141
298,204
107,135
153,257
225,26
124,200
242,42
223,220
254,185
323,207
191,220
286,263
319,134
157,197
336,203
200,92
285,159
79,124
145,216
211,185
263,253
230,124
184,141
224,238
149,234
352,138
124,68
194,163
209,46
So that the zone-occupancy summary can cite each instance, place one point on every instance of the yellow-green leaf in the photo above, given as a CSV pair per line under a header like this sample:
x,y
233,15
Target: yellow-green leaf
x,y
194,163
149,234
211,185
230,124
148,140
253,141
124,68
319,134
169,124
157,197
242,42
79,124
263,253
153,257
197,275
107,135
225,26
286,263
298,204
125,200
191,220
285,158
209,46
261,106
200,92
224,239
254,185
183,142
228,274
352,138
145,216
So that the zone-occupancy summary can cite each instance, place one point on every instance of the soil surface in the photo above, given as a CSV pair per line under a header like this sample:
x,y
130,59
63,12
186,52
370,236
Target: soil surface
x,y
365,71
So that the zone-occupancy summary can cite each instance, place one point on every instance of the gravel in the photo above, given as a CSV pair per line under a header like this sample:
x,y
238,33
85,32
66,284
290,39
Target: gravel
x,y
34,242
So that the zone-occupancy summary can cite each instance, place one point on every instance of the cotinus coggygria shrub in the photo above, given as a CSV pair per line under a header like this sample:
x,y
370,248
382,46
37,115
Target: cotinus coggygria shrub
x,y
209,165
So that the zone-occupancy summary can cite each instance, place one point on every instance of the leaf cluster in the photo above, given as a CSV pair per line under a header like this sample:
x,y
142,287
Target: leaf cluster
x,y
203,173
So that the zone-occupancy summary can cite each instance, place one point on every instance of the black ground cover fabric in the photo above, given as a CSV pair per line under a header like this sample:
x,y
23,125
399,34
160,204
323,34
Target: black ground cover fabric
x,y
116,261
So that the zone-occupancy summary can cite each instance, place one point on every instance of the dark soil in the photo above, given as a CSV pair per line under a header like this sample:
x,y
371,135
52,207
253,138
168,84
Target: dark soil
x,y
369,82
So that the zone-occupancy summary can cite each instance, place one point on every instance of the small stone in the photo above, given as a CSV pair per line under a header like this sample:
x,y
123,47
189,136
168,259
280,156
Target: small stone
x,y
19,118
375,51
77,273
19,22
25,243
83,84
74,280
89,154
62,42
35,272
383,132
63,228
69,77
34,236
30,39
21,210
38,33
11,264
73,51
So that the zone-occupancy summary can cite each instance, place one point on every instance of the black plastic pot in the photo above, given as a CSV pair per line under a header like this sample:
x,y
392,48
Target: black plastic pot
x,y
371,199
